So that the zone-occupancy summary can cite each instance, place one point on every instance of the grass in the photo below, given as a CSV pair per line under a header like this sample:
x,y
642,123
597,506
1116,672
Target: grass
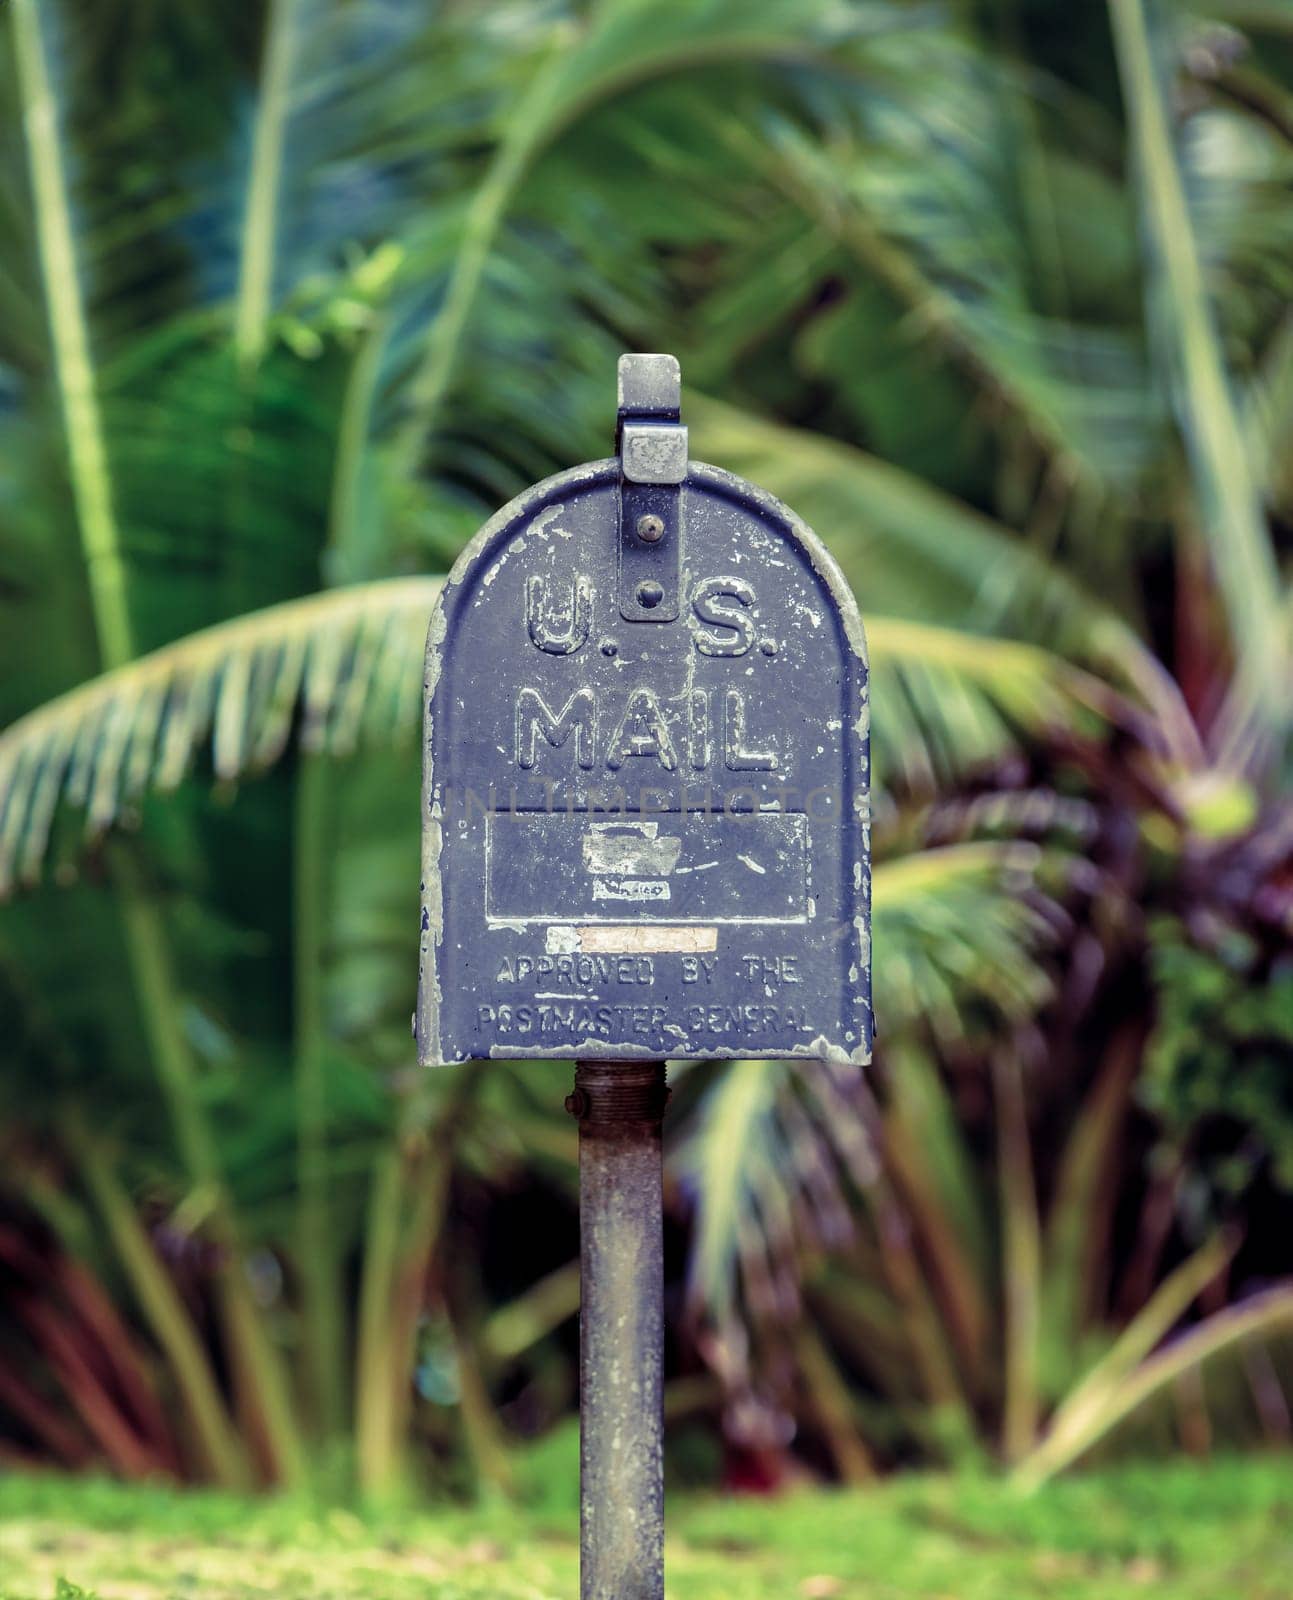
x,y
1180,1530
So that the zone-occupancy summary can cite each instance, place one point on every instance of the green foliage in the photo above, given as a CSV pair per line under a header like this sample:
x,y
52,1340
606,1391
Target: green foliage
x,y
1220,1053
1174,1532
342,666
293,297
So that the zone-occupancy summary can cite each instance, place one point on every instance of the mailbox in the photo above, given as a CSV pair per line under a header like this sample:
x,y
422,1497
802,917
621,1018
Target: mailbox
x,y
646,792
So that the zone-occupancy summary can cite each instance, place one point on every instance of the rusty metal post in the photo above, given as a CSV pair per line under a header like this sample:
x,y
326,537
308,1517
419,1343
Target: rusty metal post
x,y
620,1107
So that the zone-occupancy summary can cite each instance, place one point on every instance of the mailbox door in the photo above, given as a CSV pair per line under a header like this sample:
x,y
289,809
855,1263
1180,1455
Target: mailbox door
x,y
646,825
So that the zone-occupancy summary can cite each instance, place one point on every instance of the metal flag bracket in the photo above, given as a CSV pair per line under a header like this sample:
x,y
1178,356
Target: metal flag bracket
x,y
651,443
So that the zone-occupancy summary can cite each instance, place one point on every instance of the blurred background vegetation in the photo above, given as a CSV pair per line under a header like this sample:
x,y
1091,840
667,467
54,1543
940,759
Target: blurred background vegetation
x,y
292,295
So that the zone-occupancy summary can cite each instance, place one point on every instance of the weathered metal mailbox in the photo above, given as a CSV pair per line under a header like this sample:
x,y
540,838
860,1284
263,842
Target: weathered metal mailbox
x,y
646,792
645,837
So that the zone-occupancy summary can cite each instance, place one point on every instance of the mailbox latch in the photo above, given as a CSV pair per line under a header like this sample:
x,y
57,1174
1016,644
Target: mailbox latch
x,y
652,446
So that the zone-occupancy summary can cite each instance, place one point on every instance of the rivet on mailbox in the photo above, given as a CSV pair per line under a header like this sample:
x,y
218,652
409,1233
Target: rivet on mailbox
x,y
645,837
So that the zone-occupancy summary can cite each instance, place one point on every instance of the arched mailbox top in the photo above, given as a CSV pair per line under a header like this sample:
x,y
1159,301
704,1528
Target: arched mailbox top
x,y
492,541
646,781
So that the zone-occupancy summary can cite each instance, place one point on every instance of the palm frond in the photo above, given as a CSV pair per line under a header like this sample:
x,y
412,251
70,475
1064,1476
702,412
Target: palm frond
x,y
1103,1405
1228,501
351,659
343,662
726,1164
1078,393
909,550
951,703
912,552
624,43
1268,419
345,129
961,927
65,308
777,1148
256,256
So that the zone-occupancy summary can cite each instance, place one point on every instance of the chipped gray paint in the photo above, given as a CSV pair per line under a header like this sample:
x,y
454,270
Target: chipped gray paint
x,y
634,849
758,686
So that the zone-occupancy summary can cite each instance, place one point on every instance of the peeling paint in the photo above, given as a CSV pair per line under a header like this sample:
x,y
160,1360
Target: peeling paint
x,y
805,632
632,848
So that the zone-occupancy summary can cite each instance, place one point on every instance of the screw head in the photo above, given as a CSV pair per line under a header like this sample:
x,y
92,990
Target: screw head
x,y
650,528
649,595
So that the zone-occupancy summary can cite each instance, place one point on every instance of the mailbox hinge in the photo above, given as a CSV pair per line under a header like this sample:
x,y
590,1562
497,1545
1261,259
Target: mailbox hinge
x,y
651,443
